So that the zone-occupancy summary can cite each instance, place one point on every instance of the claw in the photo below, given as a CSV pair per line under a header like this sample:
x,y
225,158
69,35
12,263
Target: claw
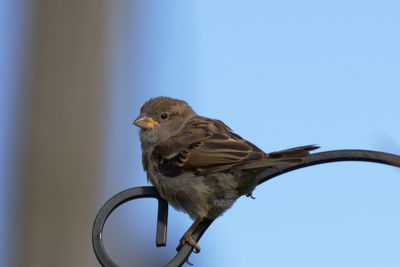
x,y
188,239
251,195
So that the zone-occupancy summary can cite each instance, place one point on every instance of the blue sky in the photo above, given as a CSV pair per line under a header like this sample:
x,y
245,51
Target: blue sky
x,y
283,74
280,74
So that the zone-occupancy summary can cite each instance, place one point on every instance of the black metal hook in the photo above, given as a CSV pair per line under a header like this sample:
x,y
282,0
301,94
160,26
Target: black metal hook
x,y
115,202
186,250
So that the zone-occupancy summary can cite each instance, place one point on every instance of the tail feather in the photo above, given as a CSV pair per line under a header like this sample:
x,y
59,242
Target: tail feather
x,y
300,152
290,156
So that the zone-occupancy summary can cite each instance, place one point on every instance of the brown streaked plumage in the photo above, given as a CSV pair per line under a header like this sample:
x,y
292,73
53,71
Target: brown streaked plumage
x,y
198,164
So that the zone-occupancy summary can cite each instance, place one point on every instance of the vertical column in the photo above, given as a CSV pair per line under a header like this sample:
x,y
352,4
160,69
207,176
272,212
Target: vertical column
x,y
63,132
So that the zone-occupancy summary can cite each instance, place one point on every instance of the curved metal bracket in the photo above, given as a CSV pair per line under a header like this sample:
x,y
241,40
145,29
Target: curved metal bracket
x,y
115,202
184,253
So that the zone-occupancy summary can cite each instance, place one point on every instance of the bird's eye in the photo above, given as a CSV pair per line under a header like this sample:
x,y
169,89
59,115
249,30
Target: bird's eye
x,y
164,115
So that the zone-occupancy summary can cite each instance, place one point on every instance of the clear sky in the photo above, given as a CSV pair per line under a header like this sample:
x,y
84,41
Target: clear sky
x,y
280,74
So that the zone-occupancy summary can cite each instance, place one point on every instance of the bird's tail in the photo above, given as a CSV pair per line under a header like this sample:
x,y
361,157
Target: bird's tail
x,y
296,153
290,156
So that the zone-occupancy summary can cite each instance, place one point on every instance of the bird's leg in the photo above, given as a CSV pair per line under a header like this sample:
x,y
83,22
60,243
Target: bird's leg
x,y
187,237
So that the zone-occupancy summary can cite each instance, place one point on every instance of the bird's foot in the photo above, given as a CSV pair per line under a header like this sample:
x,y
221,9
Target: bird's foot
x,y
187,238
250,195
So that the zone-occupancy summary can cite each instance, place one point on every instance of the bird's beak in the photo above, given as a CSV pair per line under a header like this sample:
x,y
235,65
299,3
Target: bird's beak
x,y
145,122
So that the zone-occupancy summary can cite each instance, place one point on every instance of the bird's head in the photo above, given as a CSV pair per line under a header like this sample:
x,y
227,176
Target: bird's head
x,y
161,118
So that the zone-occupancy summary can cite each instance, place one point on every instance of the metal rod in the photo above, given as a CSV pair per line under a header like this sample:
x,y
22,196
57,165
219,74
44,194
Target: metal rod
x,y
115,202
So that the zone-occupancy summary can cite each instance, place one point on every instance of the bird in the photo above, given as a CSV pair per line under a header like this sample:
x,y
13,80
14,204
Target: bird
x,y
198,164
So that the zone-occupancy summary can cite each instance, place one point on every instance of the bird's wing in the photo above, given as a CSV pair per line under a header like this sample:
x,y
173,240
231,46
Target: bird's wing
x,y
204,146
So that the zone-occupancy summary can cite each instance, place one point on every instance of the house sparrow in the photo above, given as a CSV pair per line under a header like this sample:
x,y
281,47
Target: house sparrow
x,y
198,164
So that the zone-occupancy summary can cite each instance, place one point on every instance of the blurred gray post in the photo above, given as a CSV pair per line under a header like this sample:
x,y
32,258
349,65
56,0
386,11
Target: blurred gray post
x,y
63,132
